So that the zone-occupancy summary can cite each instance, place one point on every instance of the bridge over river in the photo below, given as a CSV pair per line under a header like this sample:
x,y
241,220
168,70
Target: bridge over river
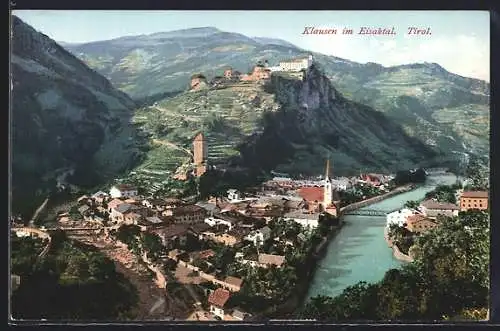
x,y
370,212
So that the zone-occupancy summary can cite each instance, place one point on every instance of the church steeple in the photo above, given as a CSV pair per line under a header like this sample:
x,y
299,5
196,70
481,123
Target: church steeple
x,y
327,190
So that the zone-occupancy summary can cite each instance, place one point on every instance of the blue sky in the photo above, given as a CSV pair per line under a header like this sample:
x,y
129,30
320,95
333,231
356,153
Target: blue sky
x,y
460,40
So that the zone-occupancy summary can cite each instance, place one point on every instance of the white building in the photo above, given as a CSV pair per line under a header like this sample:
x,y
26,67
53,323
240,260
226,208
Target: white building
x,y
233,195
213,221
258,237
432,209
341,184
296,64
22,233
306,220
274,68
123,191
398,217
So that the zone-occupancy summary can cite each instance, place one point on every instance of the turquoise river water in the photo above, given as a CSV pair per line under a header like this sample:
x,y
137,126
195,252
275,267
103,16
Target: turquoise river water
x,y
359,252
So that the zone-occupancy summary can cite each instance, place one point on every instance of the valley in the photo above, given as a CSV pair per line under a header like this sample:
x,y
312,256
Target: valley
x,y
181,175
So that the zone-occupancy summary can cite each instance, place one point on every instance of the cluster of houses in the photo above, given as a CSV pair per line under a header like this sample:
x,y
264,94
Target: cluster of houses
x,y
285,184
233,222
423,218
236,220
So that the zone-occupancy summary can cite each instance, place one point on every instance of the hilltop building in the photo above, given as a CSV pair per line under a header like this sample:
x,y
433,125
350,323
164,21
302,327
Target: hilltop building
x,y
200,154
228,73
198,81
296,64
260,72
231,74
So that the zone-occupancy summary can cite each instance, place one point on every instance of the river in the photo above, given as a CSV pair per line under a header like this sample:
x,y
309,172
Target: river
x,y
359,252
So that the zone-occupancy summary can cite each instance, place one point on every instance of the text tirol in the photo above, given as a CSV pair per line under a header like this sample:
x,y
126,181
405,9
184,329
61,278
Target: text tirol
x,y
418,31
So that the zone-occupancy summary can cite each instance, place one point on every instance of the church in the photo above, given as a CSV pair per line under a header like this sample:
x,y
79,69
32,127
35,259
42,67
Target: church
x,y
321,199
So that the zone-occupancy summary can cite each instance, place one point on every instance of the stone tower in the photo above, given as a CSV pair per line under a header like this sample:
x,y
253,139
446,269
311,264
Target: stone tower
x,y
199,149
200,154
327,190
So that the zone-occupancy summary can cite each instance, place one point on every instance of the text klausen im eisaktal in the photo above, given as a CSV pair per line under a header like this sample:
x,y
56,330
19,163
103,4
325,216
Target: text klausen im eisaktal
x,y
365,31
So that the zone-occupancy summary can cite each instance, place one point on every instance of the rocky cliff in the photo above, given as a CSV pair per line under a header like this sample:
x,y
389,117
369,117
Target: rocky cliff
x,y
314,121
65,118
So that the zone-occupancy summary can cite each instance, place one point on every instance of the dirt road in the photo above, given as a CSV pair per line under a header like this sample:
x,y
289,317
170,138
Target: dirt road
x,y
170,144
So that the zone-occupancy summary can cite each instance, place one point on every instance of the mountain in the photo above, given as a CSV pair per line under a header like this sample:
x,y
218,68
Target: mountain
x,y
288,124
67,120
273,41
442,108
432,104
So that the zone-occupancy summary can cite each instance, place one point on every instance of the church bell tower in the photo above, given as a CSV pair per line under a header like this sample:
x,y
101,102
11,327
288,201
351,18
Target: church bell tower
x,y
327,190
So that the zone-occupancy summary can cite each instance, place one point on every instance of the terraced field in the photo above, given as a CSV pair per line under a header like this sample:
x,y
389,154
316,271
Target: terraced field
x,y
226,116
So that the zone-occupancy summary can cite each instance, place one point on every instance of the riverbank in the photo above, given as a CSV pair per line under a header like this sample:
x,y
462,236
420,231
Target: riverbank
x,y
359,252
289,308
395,249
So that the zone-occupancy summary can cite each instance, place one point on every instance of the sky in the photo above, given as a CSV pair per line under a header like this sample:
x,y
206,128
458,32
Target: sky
x,y
459,40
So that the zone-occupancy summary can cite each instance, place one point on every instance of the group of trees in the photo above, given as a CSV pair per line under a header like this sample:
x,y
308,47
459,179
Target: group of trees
x,y
477,175
449,279
72,281
266,288
358,193
412,204
140,242
410,176
216,183
444,193
401,237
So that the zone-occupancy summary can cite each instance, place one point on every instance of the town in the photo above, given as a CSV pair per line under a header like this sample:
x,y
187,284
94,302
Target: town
x,y
180,167
217,244
243,254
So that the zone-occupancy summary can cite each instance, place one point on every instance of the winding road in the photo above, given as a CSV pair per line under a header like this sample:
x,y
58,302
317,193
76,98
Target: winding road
x,y
170,144
39,210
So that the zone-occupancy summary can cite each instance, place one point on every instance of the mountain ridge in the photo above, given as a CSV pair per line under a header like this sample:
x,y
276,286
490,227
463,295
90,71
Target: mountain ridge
x,y
424,98
68,124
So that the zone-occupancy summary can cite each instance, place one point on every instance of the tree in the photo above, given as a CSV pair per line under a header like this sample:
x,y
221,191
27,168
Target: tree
x,y
450,275
319,308
412,204
128,233
100,267
153,245
443,193
410,176
475,174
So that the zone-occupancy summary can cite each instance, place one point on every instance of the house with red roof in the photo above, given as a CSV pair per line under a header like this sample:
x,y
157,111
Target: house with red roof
x,y
474,200
419,223
217,301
